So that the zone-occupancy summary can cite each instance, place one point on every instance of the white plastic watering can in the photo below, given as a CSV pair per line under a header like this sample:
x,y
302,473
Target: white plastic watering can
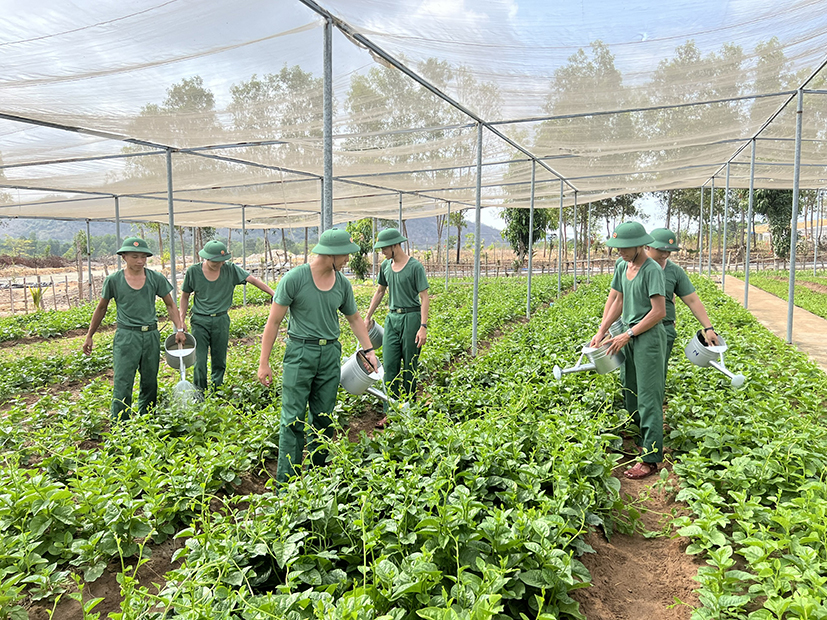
x,y
599,361
701,354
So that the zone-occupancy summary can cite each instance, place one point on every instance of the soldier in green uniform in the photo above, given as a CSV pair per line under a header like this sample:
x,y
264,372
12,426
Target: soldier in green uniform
x,y
137,344
638,282
406,325
212,282
677,283
314,293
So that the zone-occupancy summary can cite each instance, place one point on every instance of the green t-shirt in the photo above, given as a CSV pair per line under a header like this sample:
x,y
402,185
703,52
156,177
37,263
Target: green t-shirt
x,y
636,292
676,283
405,285
313,312
136,308
213,297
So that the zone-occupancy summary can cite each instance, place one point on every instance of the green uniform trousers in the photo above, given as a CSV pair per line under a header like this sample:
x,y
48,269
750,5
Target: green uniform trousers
x,y
671,334
642,377
310,379
135,351
212,336
400,355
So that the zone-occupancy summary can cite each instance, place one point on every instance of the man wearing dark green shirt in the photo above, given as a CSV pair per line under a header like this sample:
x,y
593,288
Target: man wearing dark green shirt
x,y
639,286
677,283
137,344
406,325
212,282
314,293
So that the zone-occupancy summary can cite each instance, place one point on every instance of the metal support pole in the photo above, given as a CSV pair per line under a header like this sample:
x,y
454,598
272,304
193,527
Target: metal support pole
x,y
560,244
171,229
574,240
195,256
589,243
327,137
477,233
723,245
400,213
701,234
819,204
530,240
749,224
447,228
118,227
244,251
88,256
799,114
711,212
375,253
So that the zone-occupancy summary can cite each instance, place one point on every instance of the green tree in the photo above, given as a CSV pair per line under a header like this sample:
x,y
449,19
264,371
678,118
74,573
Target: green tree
x,y
516,229
777,206
361,231
457,220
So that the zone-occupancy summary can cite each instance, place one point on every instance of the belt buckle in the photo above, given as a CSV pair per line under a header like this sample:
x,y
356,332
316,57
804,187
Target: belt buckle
x,y
399,311
144,328
322,342
214,314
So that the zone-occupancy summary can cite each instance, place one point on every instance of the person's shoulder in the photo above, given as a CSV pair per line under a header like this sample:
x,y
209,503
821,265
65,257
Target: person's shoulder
x,y
295,273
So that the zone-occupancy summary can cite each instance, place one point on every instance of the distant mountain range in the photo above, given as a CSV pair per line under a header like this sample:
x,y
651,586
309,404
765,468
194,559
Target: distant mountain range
x,y
421,232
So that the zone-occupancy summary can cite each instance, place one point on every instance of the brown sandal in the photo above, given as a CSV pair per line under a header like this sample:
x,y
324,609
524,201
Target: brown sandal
x,y
638,472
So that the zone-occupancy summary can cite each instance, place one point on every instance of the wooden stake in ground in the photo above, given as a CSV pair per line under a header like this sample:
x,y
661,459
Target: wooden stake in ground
x,y
25,295
11,296
54,292
68,301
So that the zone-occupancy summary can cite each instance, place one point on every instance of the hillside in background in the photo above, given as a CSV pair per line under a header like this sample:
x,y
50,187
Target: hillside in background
x,y
422,232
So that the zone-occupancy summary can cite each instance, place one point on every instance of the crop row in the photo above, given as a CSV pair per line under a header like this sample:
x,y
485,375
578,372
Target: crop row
x,y
67,504
56,323
777,283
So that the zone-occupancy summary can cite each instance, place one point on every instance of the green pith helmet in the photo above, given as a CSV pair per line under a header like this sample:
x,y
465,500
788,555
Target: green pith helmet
x,y
134,244
629,235
664,239
215,250
335,242
389,236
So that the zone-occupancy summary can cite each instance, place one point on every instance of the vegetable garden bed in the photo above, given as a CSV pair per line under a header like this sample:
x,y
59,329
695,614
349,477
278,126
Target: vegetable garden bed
x,y
475,503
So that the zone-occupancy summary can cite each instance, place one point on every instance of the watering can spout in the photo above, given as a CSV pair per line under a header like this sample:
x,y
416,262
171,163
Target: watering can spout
x,y
559,372
735,380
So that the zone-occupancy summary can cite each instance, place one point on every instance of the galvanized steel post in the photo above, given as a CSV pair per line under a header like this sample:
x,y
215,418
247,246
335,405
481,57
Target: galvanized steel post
x,y
560,245
574,241
530,240
799,114
244,252
711,212
589,243
726,215
118,227
447,224
749,224
327,131
89,256
171,210
477,232
701,233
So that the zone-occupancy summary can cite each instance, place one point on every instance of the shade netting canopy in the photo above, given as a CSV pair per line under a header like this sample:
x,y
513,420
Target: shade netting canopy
x,y
99,100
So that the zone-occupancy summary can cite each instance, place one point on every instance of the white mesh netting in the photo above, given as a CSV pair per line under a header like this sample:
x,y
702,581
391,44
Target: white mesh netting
x,y
613,98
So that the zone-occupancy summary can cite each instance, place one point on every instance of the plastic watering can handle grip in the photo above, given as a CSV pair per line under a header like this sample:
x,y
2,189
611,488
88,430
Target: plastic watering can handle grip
x,y
363,359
